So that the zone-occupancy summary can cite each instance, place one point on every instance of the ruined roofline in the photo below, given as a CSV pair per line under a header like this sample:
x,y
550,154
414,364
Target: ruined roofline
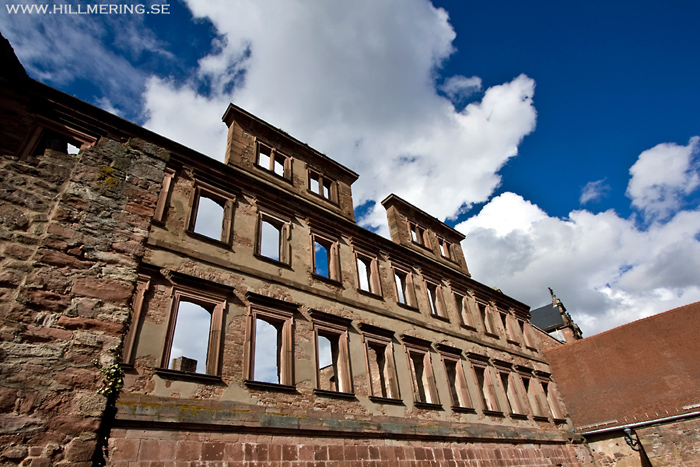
x,y
402,204
234,111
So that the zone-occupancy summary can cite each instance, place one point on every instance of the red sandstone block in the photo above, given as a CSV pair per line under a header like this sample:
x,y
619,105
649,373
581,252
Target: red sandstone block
x,y
306,452
335,453
126,449
363,452
320,453
213,451
110,290
157,450
290,452
90,324
233,452
188,450
374,453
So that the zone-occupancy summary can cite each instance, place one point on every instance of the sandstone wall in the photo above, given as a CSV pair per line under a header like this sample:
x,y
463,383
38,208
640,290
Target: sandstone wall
x,y
72,231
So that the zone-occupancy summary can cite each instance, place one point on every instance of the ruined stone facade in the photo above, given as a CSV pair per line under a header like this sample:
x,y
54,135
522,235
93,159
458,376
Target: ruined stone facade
x,y
256,323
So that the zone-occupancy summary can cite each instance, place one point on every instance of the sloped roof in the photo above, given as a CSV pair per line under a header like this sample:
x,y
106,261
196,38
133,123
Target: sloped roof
x,y
644,370
547,318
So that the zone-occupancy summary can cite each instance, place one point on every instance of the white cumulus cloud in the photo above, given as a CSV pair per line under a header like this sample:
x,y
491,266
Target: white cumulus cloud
x,y
607,269
357,82
662,176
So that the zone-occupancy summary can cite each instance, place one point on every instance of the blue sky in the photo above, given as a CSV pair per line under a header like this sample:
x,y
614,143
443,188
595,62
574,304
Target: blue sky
x,y
558,136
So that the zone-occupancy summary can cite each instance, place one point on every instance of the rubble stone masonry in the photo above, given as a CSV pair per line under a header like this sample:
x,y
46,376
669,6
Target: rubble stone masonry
x,y
72,230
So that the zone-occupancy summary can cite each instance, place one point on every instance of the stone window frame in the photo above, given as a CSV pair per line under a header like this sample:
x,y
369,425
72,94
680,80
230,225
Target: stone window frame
x,y
376,337
323,181
530,393
549,394
425,394
485,315
337,327
418,234
275,155
222,198
282,313
459,389
435,298
213,302
526,332
163,203
445,247
486,389
409,293
373,279
284,226
332,245
510,390
506,320
464,305
44,126
143,285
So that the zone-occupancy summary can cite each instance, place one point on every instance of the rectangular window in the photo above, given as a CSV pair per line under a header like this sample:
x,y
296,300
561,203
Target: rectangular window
x,y
485,314
273,238
325,257
485,385
269,341
533,397
419,235
437,306
549,394
381,370
511,392
456,380
422,378
444,248
212,213
405,294
323,186
527,337
273,161
194,333
367,274
464,310
332,359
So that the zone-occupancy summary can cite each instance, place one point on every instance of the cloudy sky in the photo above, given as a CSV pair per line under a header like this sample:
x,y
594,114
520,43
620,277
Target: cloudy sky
x,y
560,137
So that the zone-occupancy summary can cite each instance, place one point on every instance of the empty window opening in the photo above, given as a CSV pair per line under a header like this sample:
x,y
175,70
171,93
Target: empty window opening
x,y
486,319
401,287
551,400
313,182
271,160
322,259
268,344
533,399
270,237
457,383
488,394
511,393
526,335
464,310
445,248
209,219
264,157
327,363
504,321
432,299
423,381
364,271
190,344
381,371
321,185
